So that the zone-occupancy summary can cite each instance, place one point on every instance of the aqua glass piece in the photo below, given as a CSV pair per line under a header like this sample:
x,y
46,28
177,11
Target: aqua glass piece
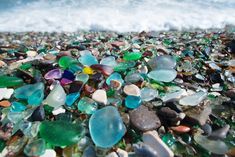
x,y
88,59
66,61
17,107
71,98
106,127
26,91
163,75
61,133
29,129
148,94
35,148
87,105
162,62
36,98
123,66
168,139
132,101
82,77
115,76
109,61
15,117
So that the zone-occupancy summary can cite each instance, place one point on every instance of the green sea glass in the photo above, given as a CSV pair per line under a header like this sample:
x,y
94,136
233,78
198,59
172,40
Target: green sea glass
x,y
8,81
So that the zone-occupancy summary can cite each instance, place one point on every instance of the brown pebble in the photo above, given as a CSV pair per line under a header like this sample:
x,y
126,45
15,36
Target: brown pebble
x,y
231,152
181,129
5,103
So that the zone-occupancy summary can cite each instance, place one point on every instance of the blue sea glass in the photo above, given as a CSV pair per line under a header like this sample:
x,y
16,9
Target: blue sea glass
x,y
88,60
115,76
71,98
132,101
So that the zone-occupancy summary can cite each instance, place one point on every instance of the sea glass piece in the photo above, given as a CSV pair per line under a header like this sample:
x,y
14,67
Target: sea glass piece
x,y
10,81
132,101
71,98
88,59
163,75
87,105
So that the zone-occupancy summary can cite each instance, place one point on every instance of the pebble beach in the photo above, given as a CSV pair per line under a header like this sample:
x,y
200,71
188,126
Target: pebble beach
x,y
110,94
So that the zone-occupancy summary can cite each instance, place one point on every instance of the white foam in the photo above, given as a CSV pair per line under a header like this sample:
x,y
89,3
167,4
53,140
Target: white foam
x,y
121,15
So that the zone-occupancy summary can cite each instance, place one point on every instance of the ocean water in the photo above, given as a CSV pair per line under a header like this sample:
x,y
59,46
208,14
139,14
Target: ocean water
x,y
114,15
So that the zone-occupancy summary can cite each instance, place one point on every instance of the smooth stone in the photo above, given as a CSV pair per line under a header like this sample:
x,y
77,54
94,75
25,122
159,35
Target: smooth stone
x,y
57,97
88,59
132,56
66,61
181,129
61,133
109,61
131,89
163,75
144,150
71,98
162,62
207,130
100,96
17,107
10,81
172,96
194,99
31,53
152,139
87,105
148,94
53,74
220,133
199,116
82,77
106,123
5,103
114,76
35,148
38,114
213,146
49,153
6,93
167,113
132,102
143,119
133,78
104,69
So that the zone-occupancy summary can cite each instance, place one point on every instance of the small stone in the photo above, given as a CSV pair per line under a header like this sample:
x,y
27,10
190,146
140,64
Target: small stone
x,y
57,97
152,139
220,133
53,74
35,148
143,119
31,53
213,146
87,105
206,129
194,99
231,152
61,133
71,98
100,96
5,103
49,153
131,90
163,75
132,56
181,129
106,123
132,101
5,93
148,94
